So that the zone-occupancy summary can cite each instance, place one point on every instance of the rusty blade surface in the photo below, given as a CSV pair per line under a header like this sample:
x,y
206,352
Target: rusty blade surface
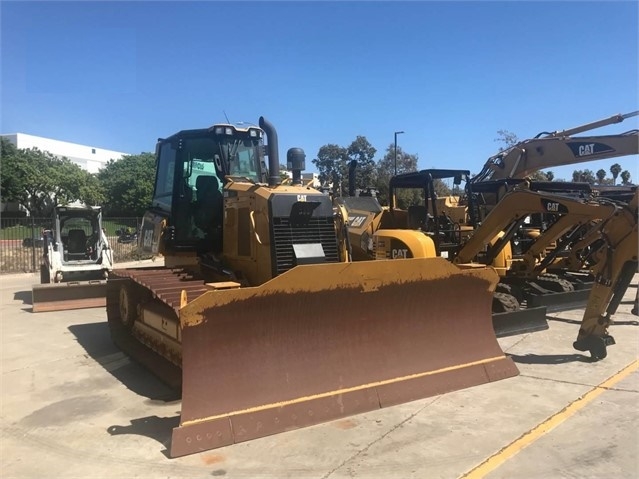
x,y
72,295
327,341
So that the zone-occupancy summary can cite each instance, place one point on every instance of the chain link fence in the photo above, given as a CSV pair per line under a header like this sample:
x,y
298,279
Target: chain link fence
x,y
21,241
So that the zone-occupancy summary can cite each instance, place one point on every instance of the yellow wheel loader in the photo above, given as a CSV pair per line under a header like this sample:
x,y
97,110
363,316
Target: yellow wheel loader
x,y
261,317
76,261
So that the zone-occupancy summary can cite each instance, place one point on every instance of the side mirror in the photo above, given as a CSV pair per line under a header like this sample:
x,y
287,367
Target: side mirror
x,y
457,179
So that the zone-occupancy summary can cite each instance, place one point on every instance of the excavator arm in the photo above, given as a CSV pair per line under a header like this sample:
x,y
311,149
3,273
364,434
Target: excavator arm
x,y
560,148
510,213
613,272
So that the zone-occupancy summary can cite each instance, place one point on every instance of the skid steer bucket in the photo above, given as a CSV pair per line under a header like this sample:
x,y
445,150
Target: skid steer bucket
x,y
71,295
321,342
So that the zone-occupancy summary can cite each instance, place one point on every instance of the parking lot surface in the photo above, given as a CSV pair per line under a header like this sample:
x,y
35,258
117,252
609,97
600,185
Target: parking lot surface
x,y
74,406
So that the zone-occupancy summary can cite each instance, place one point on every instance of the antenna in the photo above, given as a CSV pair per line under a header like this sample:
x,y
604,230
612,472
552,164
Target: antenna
x,y
227,118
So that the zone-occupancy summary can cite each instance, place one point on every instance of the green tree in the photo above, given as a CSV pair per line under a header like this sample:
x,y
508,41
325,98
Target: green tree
x,y
538,176
625,177
508,138
283,172
363,152
127,184
39,180
550,175
385,169
601,175
584,176
331,164
615,170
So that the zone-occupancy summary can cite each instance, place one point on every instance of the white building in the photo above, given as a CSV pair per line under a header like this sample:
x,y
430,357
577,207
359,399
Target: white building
x,y
88,158
308,179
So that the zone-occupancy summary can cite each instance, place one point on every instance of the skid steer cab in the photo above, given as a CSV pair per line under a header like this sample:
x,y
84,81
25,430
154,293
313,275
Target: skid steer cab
x,y
76,260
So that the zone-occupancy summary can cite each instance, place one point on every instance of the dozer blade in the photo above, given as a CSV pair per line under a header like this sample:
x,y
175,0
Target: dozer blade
x,y
71,295
522,321
321,342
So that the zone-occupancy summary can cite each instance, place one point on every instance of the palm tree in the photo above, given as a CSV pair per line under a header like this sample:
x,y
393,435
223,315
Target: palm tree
x,y
601,174
625,177
615,170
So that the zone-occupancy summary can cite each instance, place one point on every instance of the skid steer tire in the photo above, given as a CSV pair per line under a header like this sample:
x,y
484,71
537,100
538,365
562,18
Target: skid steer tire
x,y
45,277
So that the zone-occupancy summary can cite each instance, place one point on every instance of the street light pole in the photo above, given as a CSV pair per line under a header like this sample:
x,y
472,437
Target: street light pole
x,y
396,133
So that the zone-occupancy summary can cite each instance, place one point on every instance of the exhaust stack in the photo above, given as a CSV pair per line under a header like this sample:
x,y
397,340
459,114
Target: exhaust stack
x,y
272,152
351,177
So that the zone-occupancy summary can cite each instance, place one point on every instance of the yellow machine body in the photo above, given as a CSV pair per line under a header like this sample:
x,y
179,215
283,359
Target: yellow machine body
x,y
262,319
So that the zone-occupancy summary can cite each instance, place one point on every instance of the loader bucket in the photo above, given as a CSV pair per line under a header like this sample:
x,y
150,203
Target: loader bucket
x,y
71,295
321,342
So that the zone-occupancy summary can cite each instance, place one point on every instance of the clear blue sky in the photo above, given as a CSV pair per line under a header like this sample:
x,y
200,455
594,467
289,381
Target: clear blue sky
x,y
118,75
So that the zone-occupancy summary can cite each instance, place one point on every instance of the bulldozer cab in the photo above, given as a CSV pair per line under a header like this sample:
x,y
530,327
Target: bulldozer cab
x,y
192,168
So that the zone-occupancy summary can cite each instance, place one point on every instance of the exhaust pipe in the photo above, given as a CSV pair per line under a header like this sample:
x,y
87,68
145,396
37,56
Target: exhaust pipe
x,y
272,152
351,177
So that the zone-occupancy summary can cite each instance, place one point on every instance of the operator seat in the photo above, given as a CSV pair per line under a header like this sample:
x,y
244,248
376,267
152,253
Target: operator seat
x,y
208,210
77,241
417,217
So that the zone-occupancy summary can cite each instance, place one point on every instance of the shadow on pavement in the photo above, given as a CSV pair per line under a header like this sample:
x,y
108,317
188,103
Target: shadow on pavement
x,y
549,358
95,338
154,427
578,321
24,296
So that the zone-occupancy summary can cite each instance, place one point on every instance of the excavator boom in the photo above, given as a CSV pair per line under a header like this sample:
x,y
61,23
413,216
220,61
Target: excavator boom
x,y
560,148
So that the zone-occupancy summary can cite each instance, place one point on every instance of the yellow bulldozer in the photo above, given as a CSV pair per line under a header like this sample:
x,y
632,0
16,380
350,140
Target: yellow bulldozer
x,y
261,317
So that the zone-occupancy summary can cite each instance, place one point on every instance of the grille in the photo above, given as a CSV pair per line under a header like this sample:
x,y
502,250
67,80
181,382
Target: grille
x,y
318,230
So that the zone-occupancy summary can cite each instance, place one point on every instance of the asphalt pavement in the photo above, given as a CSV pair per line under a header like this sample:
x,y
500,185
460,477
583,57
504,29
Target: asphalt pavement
x,y
74,406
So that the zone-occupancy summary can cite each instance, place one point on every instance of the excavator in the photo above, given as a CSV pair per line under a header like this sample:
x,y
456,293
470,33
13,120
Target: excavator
x,y
261,317
536,277
612,236
551,149
570,216
76,260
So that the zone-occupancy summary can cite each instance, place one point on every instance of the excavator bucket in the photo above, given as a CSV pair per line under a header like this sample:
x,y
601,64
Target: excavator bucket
x,y
321,342
70,295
